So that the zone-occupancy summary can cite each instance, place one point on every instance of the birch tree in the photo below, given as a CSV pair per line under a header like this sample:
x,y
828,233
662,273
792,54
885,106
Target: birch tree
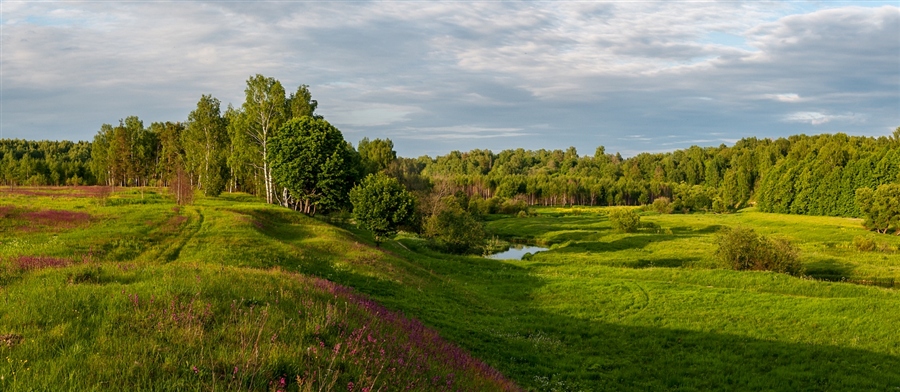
x,y
205,142
264,111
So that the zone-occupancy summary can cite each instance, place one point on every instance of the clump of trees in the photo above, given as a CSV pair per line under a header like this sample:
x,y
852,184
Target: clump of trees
x,y
742,249
274,145
625,220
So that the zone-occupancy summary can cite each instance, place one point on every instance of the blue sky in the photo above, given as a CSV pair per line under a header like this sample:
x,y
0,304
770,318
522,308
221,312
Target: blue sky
x,y
436,76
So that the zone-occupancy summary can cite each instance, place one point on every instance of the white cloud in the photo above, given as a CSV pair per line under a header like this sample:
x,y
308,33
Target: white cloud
x,y
367,114
818,118
783,97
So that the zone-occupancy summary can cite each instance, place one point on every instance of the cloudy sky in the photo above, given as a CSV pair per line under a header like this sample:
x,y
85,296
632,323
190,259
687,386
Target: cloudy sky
x,y
436,76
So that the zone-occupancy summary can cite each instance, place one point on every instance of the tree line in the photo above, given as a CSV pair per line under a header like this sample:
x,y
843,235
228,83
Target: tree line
x,y
800,174
274,145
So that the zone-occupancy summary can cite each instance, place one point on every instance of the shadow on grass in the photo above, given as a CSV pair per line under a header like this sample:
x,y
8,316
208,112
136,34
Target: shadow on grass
x,y
832,270
485,306
829,269
602,356
658,263
687,230
637,241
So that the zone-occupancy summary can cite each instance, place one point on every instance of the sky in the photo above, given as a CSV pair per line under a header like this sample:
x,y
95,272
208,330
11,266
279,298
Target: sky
x,y
437,76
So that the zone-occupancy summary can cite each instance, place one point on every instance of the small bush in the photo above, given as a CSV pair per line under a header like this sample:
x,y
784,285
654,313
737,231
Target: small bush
x,y
662,205
863,244
741,249
513,207
625,220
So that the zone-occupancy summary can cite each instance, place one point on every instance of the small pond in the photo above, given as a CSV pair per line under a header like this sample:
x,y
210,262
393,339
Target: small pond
x,y
516,252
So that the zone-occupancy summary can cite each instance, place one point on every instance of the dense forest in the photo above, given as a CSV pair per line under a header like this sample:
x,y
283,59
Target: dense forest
x,y
274,145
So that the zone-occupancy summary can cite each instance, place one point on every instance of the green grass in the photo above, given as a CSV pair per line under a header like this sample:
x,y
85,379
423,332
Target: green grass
x,y
150,296
600,311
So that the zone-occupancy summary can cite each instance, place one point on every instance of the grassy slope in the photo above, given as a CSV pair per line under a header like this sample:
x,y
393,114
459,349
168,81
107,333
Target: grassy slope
x,y
602,311
148,296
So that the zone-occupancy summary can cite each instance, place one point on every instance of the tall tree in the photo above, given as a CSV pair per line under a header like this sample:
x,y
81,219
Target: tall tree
x,y
100,158
242,154
264,110
170,153
205,142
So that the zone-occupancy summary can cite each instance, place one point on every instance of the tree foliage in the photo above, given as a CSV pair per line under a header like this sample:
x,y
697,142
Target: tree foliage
x,y
376,155
301,103
880,207
312,161
205,142
453,229
264,113
381,205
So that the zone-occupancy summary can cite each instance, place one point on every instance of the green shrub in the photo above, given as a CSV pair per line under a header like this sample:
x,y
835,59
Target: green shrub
x,y
513,207
625,220
453,229
741,249
381,205
863,244
662,205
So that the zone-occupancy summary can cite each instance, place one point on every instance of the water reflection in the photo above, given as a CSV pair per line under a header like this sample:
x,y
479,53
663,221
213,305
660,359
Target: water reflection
x,y
516,252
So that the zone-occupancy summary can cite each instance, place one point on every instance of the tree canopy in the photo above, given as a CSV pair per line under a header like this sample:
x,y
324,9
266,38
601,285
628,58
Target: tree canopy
x,y
313,162
381,205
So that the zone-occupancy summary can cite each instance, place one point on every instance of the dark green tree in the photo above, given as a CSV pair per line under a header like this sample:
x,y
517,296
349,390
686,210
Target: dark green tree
x,y
312,161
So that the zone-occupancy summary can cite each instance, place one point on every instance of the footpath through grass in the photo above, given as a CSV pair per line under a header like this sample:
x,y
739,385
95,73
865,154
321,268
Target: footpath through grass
x,y
600,311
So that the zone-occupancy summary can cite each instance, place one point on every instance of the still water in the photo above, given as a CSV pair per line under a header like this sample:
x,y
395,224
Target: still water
x,y
516,252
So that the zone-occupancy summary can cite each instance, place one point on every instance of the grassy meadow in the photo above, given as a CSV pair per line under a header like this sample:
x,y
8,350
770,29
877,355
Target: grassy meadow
x,y
130,291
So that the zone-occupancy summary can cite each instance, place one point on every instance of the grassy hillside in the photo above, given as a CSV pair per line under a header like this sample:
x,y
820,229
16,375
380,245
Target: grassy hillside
x,y
132,292
600,311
